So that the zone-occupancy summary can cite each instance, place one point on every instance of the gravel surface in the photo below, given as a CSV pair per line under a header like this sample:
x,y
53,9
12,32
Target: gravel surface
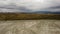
x,y
30,27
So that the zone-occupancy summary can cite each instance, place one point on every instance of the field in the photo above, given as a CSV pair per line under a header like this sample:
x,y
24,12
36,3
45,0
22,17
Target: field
x,y
16,23
20,16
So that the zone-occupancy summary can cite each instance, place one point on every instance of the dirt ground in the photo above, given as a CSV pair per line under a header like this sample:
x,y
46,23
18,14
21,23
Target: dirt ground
x,y
30,27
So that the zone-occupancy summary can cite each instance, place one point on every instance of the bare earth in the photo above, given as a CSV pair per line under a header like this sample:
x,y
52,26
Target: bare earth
x,y
30,27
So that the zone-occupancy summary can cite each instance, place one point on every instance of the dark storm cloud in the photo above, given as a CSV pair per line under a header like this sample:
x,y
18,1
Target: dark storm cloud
x,y
13,8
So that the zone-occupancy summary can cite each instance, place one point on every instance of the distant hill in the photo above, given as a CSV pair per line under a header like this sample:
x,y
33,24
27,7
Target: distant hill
x,y
42,12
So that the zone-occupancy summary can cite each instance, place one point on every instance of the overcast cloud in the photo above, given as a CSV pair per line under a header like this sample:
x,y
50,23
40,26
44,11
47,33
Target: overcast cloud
x,y
29,5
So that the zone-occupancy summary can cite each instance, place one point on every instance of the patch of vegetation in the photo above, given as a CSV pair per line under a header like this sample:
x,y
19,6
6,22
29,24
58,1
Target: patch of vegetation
x,y
21,16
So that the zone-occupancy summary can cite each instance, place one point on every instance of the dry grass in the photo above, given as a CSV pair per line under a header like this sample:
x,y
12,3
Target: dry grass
x,y
19,16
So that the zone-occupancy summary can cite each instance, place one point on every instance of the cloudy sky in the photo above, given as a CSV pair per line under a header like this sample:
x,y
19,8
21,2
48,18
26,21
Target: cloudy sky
x,y
29,5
